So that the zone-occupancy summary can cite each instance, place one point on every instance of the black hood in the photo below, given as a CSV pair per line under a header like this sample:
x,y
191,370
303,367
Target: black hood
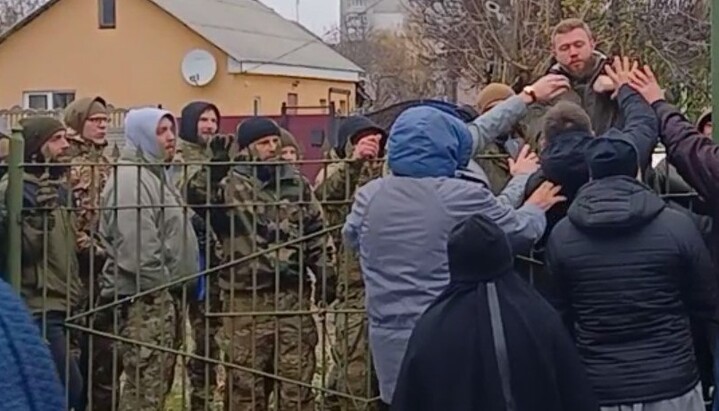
x,y
614,204
563,162
478,239
191,115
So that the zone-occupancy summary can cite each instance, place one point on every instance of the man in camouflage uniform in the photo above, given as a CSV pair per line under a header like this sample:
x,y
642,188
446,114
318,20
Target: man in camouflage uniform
x,y
335,187
51,286
87,122
146,227
199,122
267,206
494,157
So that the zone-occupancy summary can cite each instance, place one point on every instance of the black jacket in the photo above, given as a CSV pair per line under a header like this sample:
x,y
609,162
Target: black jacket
x,y
630,273
490,340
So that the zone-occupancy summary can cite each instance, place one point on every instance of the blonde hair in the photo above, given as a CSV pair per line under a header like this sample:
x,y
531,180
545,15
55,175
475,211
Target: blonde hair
x,y
567,25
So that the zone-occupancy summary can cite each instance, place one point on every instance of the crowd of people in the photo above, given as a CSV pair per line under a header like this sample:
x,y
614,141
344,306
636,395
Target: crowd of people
x,y
408,236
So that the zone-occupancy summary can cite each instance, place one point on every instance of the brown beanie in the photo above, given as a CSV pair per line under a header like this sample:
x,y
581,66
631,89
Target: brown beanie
x,y
37,131
493,94
80,110
288,140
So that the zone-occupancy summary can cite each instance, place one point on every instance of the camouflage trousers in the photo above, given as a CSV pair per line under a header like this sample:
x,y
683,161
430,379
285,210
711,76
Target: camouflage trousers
x,y
282,345
352,372
203,375
147,371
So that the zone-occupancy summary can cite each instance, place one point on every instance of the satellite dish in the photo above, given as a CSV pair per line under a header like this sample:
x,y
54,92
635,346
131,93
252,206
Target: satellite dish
x,y
198,67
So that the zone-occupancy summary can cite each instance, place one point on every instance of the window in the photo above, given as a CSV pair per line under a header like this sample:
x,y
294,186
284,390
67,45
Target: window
x,y
47,100
106,14
292,103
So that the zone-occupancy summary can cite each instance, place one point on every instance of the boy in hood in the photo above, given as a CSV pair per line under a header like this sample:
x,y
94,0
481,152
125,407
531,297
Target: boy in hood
x,y
148,247
290,148
199,125
630,273
489,341
263,203
51,285
399,225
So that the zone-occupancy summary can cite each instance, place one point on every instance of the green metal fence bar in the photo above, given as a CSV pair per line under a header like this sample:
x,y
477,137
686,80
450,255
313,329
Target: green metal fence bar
x,y
715,63
14,209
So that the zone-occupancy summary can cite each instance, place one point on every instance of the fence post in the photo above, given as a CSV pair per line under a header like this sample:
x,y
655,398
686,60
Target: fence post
x,y
14,208
714,49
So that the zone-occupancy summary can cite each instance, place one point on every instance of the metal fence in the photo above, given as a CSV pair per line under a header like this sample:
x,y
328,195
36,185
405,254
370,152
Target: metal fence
x,y
262,334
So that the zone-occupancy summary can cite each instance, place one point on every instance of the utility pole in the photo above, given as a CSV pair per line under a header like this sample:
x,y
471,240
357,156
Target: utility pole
x,y
297,11
715,63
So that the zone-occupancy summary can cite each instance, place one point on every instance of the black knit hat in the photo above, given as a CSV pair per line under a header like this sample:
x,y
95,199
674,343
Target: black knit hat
x,y
609,157
37,131
355,127
255,128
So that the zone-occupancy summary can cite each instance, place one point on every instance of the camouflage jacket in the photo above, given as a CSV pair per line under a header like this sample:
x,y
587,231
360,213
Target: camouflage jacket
x,y
279,213
188,153
87,182
50,280
335,187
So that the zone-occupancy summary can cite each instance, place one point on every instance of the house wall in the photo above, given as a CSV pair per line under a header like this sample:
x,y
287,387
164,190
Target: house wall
x,y
137,63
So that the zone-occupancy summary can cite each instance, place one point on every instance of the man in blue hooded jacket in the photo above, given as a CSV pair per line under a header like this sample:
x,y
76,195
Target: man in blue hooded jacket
x,y
400,224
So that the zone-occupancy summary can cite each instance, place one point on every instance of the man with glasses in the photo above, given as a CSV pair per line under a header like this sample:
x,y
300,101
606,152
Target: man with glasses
x,y
87,122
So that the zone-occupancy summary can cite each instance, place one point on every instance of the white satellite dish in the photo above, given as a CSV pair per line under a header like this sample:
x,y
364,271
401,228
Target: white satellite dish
x,y
198,67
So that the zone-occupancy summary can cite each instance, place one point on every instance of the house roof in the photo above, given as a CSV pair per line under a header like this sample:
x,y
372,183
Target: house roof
x,y
253,35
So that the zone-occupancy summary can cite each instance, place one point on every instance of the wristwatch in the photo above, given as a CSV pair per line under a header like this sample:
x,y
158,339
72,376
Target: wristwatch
x,y
529,90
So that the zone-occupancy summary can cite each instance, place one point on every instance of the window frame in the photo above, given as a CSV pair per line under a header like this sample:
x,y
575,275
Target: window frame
x,y
292,106
49,98
102,24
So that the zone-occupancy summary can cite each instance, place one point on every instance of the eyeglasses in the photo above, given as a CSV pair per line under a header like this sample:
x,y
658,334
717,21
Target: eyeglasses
x,y
98,120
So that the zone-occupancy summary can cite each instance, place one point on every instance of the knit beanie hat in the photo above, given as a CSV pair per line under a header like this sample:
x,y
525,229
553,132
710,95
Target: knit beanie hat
x,y
255,128
493,94
80,110
288,140
355,127
37,131
609,157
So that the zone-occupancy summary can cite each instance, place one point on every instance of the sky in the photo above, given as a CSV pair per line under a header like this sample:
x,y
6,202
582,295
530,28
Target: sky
x,y
317,15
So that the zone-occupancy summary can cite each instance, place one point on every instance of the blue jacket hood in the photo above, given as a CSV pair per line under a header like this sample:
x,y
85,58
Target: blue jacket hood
x,y
428,142
141,128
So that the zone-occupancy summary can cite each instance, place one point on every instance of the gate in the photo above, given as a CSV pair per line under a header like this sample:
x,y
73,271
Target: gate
x,y
276,346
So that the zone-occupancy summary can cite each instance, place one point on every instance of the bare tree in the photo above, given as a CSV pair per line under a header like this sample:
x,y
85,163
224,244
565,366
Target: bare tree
x,y
11,11
509,40
394,71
